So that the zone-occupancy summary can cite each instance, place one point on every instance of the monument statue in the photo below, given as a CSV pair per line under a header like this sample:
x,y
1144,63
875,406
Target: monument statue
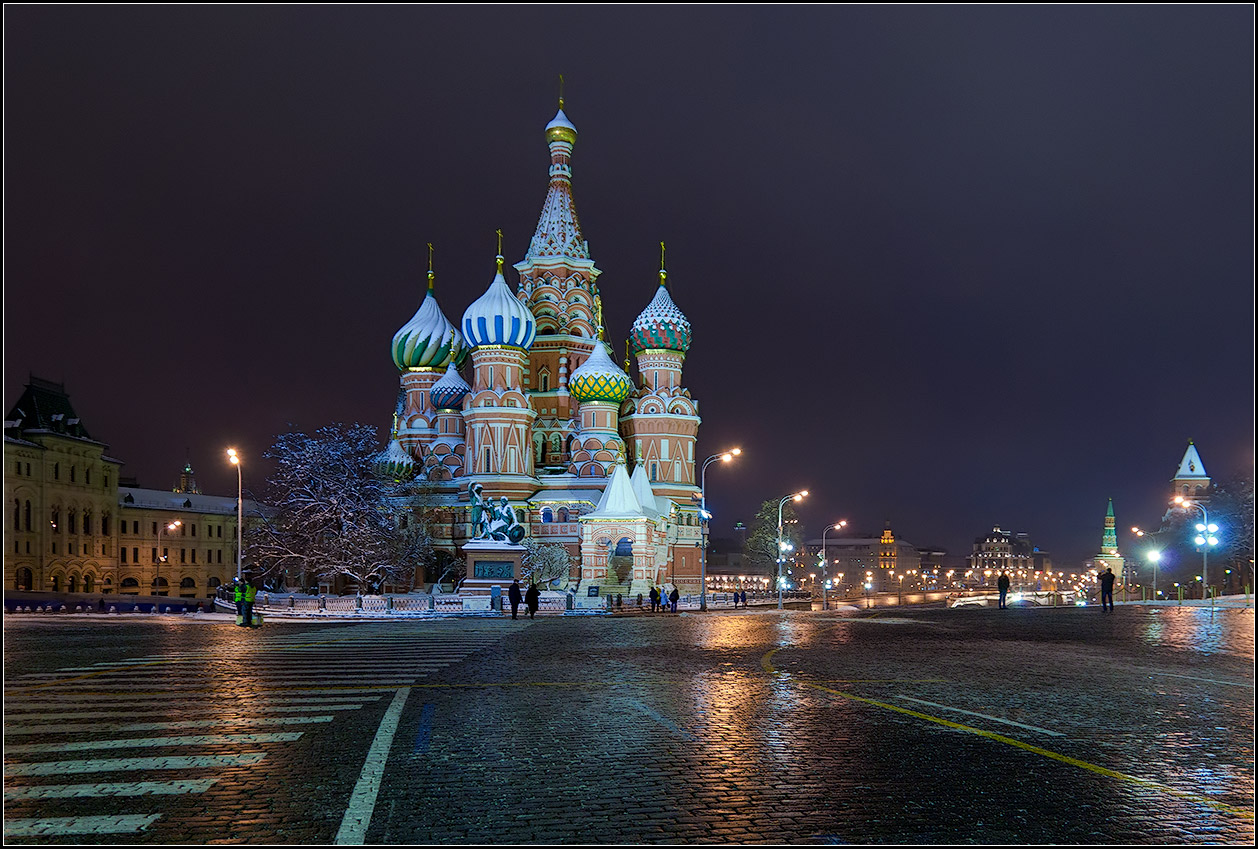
x,y
493,521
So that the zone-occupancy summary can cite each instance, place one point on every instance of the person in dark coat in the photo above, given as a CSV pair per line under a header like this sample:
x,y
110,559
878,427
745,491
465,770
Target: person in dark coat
x,y
531,599
1107,589
744,599
514,595
1002,584
672,597
655,598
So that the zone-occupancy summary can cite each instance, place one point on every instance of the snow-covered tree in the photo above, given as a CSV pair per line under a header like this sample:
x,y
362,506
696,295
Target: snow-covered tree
x,y
545,563
761,548
332,515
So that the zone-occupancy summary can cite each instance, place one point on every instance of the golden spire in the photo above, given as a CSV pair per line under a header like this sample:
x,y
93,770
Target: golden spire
x,y
663,273
598,315
626,356
431,276
561,91
499,258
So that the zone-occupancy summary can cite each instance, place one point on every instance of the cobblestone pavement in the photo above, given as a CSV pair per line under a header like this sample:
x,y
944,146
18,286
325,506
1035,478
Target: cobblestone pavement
x,y
888,726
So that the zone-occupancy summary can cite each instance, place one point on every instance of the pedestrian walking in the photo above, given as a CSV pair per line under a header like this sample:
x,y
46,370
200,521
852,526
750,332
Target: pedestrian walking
x,y
238,596
744,599
672,597
1002,584
1107,590
655,598
531,599
513,594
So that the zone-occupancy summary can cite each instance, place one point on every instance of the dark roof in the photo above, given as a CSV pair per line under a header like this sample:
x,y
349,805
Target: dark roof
x,y
44,405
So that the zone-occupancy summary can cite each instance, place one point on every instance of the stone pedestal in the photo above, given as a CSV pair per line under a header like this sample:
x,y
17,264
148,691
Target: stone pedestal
x,y
491,563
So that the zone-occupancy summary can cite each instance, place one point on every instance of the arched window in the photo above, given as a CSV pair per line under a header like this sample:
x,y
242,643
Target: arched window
x,y
56,583
72,473
17,515
104,524
24,580
548,515
88,583
27,514
87,521
130,585
213,583
73,518
73,585
563,514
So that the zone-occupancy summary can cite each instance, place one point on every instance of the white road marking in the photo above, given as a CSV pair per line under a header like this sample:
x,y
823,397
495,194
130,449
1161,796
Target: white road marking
x,y
166,726
226,715
88,701
130,788
362,802
152,742
132,764
52,826
984,716
1247,684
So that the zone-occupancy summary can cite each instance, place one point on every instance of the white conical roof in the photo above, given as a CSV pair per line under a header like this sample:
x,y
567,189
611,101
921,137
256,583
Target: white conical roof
x,y
646,496
1191,466
619,500
661,324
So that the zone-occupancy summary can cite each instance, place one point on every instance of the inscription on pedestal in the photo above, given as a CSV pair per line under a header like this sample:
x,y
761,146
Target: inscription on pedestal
x,y
499,569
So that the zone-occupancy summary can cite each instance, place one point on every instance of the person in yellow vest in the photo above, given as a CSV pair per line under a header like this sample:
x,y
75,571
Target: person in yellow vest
x,y
251,592
238,596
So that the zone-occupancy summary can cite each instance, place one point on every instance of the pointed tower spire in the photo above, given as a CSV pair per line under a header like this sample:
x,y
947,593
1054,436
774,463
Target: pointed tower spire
x,y
1109,540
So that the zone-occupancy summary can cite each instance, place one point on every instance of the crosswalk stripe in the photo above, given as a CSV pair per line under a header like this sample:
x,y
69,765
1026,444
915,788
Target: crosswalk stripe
x,y
132,764
88,701
20,730
52,826
151,742
130,788
222,715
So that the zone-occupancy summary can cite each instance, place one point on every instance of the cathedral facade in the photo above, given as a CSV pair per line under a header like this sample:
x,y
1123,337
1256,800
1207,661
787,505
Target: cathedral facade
x,y
523,396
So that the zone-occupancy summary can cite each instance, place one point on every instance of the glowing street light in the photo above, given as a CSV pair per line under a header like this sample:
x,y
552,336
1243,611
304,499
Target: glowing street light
x,y
161,557
240,507
704,515
1205,538
782,546
825,603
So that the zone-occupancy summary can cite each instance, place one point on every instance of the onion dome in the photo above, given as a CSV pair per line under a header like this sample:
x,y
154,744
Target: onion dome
x,y
600,379
661,324
428,340
448,392
499,317
395,462
560,128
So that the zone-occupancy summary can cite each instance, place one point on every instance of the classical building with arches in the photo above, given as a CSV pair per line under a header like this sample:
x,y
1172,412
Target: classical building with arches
x,y
524,396
73,529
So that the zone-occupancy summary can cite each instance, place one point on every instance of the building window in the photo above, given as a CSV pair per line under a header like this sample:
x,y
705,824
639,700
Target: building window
x,y
72,474
87,477
135,527
135,554
194,555
194,530
104,524
56,471
183,555
122,554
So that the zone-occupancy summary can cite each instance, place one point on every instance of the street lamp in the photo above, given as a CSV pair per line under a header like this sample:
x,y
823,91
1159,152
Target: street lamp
x,y
1153,555
825,604
158,562
798,496
1205,537
724,457
240,507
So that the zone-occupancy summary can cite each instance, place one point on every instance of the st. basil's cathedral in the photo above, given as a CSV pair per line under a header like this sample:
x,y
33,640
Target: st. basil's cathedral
x,y
586,456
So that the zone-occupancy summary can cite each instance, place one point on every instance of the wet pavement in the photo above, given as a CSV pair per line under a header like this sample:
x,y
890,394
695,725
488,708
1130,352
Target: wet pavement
x,y
904,725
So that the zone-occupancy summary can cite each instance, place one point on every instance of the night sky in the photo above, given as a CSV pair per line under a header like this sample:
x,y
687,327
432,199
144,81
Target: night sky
x,y
950,268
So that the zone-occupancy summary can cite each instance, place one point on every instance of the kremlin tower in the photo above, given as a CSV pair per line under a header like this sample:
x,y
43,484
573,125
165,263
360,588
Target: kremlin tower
x,y
523,397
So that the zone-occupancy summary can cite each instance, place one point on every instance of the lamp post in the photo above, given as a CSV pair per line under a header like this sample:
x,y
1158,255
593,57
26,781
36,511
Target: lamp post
x,y
797,496
825,604
724,457
1204,539
1153,556
240,507
157,563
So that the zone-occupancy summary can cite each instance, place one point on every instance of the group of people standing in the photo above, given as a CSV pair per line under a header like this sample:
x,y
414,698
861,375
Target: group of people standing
x,y
661,602
243,594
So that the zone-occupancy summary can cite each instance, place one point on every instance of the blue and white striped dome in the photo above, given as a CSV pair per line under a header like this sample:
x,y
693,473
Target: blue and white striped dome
x,y
499,318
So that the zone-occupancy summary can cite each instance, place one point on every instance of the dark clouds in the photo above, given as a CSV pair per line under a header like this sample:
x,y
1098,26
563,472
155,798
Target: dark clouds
x,y
947,267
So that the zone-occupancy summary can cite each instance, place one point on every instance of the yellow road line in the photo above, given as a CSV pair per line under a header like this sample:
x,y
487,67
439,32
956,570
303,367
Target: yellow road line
x,y
767,664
